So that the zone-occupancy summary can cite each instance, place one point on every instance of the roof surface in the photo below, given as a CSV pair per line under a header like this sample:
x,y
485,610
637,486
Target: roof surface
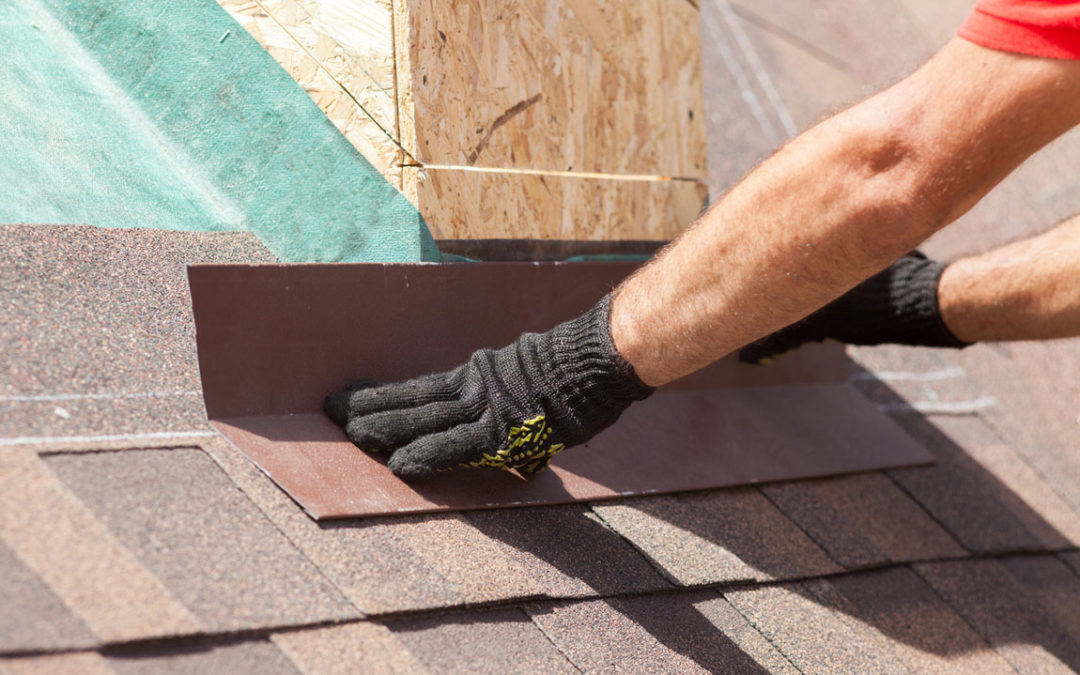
x,y
135,539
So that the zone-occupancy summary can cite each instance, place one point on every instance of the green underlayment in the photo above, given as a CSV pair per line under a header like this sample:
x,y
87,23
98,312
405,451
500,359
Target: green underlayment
x,y
137,113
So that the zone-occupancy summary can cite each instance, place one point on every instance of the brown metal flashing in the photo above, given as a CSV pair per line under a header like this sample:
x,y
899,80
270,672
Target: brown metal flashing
x,y
273,340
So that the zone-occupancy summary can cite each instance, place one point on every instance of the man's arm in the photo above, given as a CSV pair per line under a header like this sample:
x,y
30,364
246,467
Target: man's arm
x,y
840,203
836,205
1024,291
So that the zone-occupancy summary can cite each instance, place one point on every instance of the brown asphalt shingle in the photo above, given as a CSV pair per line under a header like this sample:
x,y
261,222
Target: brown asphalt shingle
x,y
656,633
926,633
194,530
810,623
33,618
348,649
973,505
1040,420
95,576
102,313
863,520
1007,613
72,663
716,536
1055,586
1072,559
492,642
396,564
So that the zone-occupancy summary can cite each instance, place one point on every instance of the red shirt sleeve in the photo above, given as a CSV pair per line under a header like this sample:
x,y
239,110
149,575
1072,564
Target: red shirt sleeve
x,y
1049,28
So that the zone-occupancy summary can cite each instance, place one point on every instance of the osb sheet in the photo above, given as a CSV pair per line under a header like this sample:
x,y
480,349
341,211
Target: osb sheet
x,y
478,205
337,50
273,340
585,85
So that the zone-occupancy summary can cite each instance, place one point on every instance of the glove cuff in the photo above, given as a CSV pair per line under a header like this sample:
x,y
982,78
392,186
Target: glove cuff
x,y
584,346
913,295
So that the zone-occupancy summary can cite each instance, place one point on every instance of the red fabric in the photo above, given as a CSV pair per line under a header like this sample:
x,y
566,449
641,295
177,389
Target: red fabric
x,y
1049,28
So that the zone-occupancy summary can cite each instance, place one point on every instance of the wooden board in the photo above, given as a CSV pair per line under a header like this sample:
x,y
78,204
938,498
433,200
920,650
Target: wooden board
x,y
520,206
565,85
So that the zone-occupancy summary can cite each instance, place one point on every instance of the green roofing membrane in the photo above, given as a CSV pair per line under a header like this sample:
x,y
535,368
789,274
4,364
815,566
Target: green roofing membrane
x,y
169,115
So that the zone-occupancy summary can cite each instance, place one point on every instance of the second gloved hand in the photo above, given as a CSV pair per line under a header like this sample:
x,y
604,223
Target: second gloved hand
x,y
898,305
512,408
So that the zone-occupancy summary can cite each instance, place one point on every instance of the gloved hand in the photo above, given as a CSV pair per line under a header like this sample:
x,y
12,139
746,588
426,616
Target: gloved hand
x,y
899,305
513,408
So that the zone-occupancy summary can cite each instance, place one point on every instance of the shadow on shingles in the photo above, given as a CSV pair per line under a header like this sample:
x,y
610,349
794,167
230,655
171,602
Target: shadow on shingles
x,y
930,608
583,548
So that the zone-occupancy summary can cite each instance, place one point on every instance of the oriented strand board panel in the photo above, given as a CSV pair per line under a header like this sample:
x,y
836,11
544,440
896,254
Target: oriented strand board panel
x,y
342,53
530,206
569,86
605,86
274,340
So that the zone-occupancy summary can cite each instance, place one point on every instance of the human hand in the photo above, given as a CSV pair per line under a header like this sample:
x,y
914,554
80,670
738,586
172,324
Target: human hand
x,y
512,408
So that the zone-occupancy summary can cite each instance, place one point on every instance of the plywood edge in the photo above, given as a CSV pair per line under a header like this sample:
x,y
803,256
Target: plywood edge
x,y
403,94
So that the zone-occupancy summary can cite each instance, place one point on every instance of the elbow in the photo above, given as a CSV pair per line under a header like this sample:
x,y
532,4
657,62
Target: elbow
x,y
896,184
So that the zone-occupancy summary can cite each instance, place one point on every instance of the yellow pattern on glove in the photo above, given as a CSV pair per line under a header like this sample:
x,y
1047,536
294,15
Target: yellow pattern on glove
x,y
529,448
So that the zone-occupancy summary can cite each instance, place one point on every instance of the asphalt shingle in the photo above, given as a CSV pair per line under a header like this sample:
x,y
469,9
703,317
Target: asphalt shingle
x,y
405,563
33,617
877,43
92,572
1072,559
1005,613
190,525
716,536
97,340
71,663
347,649
927,635
1054,585
811,624
863,520
973,504
1040,420
495,642
110,309
655,633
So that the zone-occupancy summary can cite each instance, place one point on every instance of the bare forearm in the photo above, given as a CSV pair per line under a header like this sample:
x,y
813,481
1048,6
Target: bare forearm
x,y
836,205
1029,290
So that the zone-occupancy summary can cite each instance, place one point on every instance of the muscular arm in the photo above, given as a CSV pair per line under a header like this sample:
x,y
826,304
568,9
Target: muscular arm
x,y
841,202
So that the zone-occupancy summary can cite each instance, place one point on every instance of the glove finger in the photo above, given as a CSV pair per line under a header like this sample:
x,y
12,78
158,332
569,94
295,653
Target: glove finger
x,y
393,428
367,400
422,458
336,405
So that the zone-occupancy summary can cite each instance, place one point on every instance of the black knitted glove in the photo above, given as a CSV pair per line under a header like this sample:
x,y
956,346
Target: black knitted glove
x,y
899,305
513,408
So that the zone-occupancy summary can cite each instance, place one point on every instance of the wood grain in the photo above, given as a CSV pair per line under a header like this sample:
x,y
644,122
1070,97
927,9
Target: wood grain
x,y
566,85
